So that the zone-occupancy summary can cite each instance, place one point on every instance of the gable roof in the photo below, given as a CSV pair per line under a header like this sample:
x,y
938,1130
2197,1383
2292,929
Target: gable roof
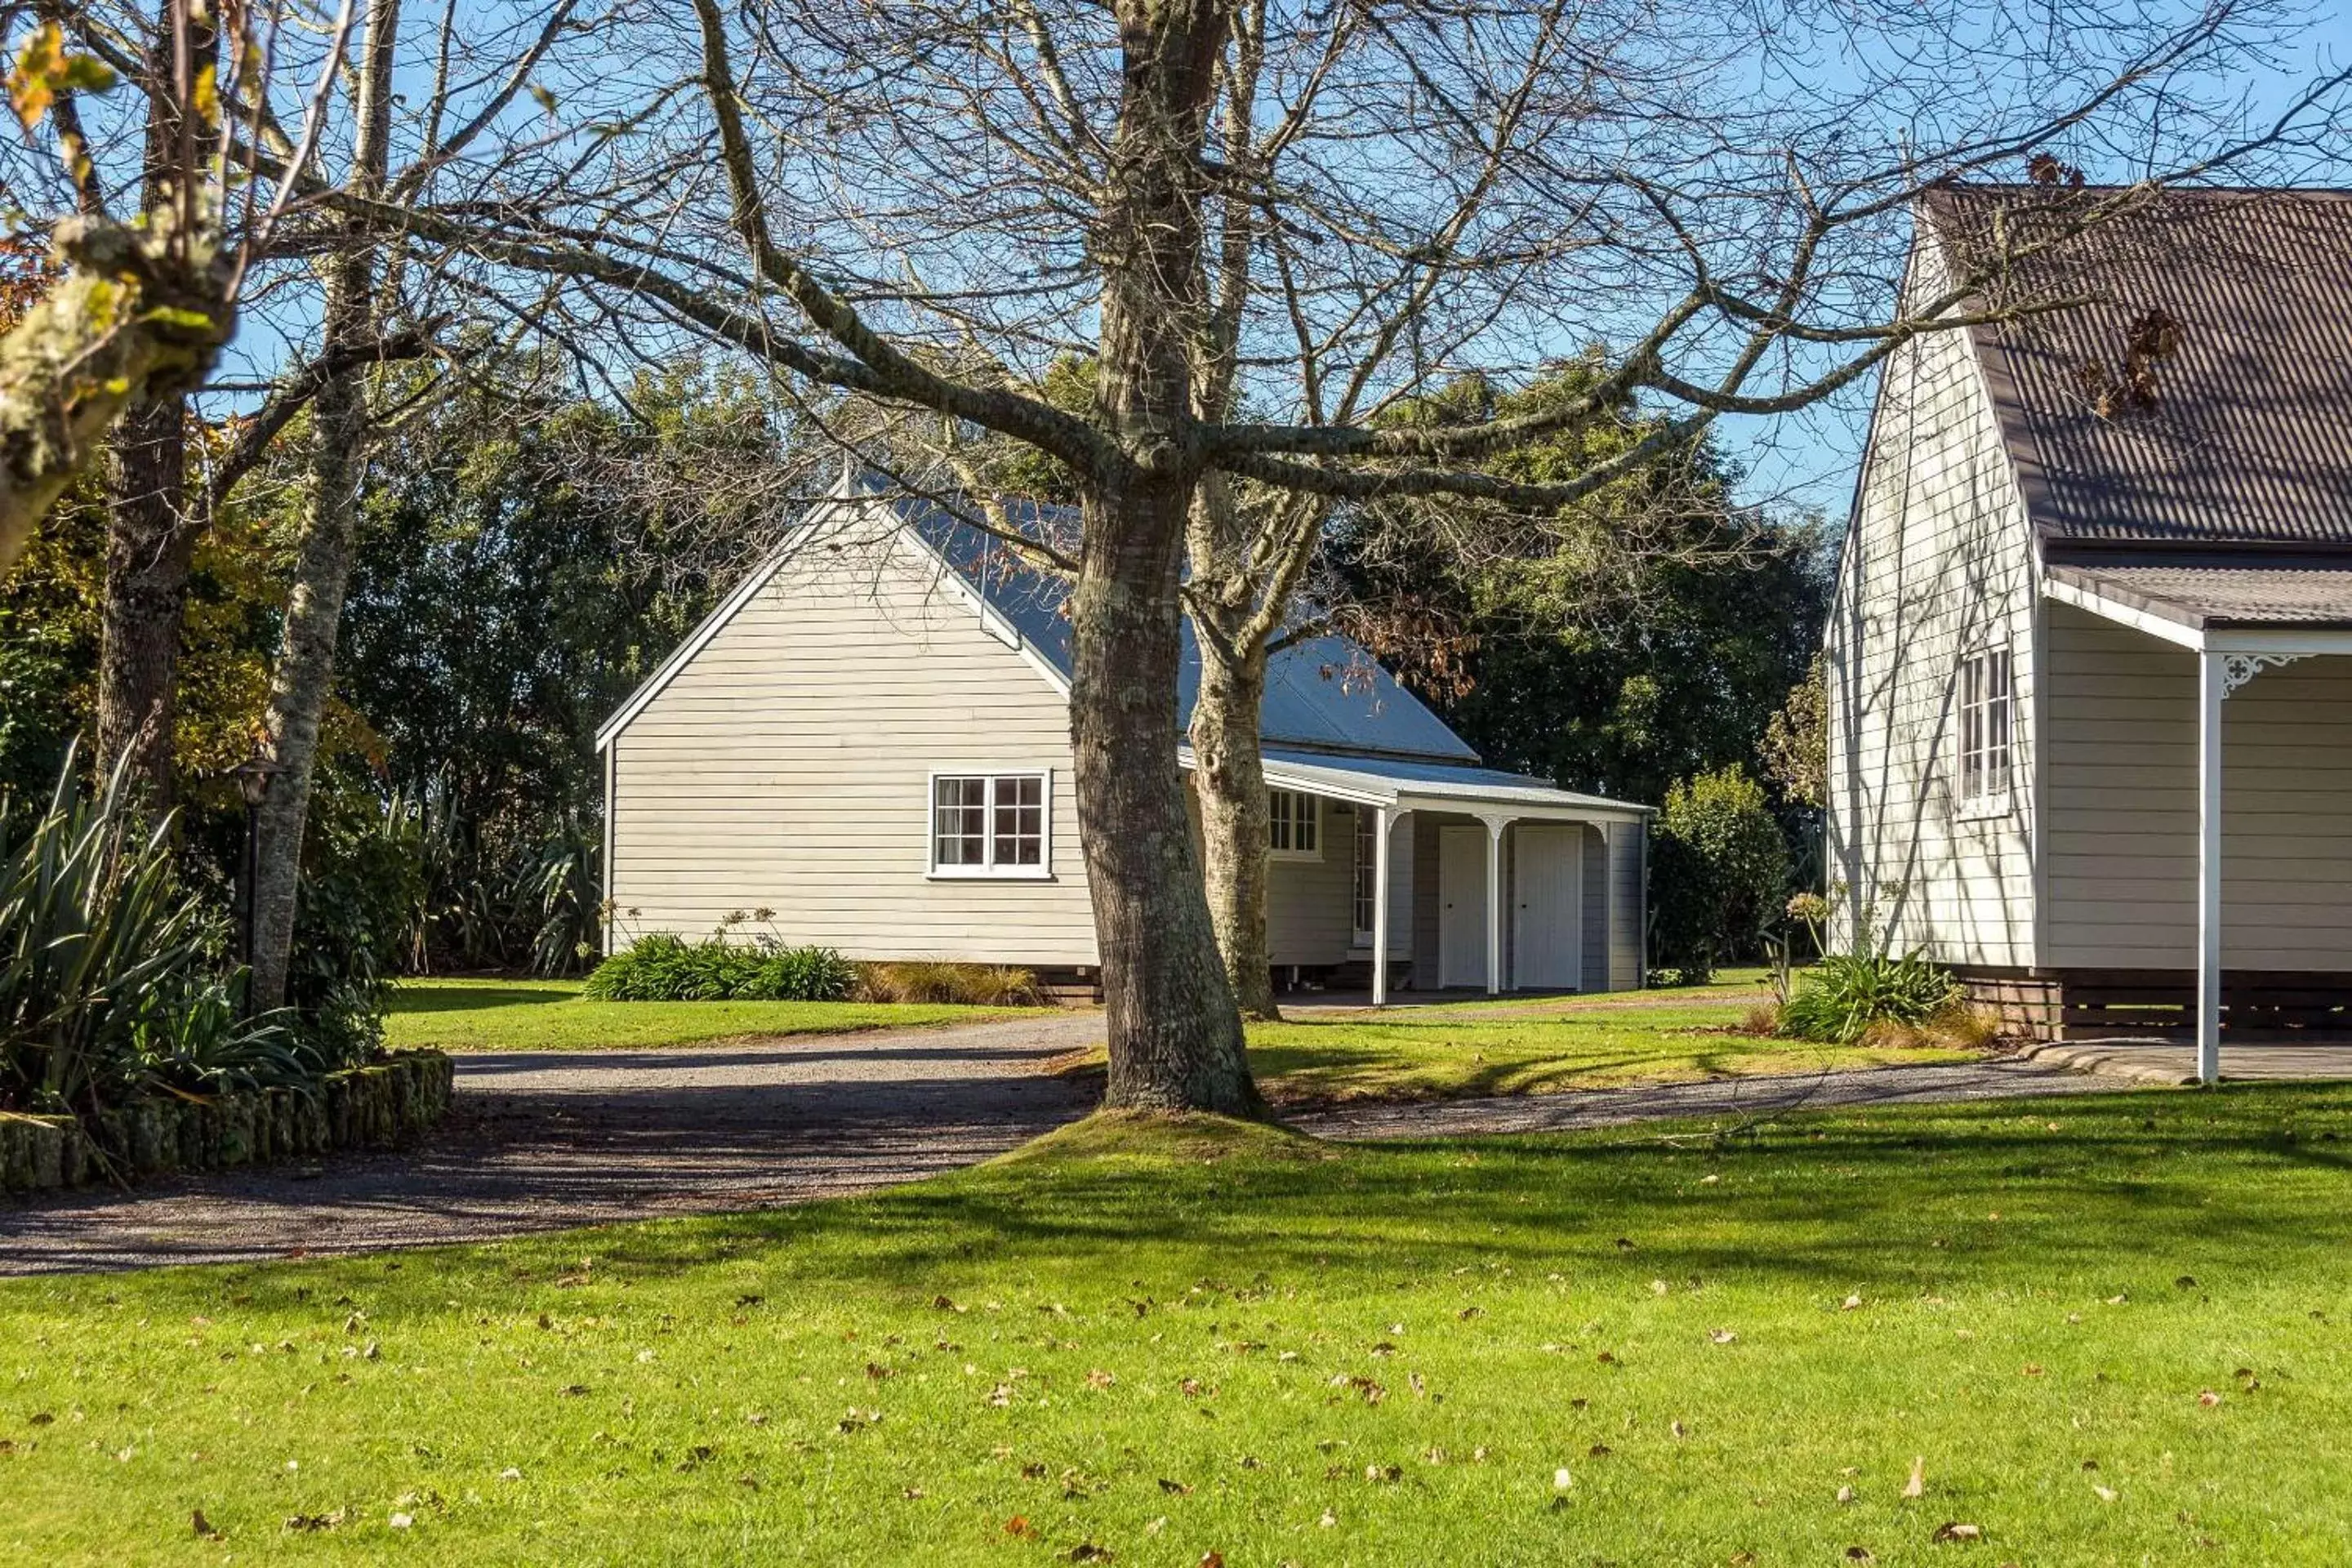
x,y
2248,445
1323,694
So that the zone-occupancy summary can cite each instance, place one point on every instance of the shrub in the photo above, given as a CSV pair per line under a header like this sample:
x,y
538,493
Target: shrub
x,y
361,879
662,967
110,979
1718,870
974,984
1846,995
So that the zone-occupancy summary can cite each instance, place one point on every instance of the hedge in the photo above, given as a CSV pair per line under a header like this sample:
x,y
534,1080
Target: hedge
x,y
379,1105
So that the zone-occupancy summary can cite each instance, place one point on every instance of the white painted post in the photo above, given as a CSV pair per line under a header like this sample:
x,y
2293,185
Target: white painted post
x,y
1380,904
1494,825
2212,688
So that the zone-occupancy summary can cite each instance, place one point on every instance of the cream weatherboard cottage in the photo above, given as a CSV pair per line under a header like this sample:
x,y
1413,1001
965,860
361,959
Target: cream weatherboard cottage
x,y
869,741
2090,712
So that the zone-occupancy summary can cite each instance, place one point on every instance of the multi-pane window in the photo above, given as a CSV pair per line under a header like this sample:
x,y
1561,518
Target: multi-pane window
x,y
1294,823
1986,724
988,824
1367,847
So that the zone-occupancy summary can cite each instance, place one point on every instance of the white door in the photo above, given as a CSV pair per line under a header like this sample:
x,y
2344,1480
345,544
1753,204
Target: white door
x,y
1461,906
1549,880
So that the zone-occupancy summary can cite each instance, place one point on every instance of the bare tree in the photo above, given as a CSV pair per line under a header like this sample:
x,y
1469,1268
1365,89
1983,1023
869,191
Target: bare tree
x,y
1260,227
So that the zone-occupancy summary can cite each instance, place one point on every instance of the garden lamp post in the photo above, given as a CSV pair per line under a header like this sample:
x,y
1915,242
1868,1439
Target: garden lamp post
x,y
254,776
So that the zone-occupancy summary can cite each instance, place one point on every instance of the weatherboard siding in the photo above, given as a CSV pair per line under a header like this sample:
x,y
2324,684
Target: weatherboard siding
x,y
1629,891
1937,560
788,765
2121,810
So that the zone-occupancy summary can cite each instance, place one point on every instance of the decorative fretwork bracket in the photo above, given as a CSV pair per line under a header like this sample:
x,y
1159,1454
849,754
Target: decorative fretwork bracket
x,y
2237,669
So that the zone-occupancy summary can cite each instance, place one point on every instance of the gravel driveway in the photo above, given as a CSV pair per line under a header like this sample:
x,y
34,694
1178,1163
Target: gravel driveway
x,y
546,1140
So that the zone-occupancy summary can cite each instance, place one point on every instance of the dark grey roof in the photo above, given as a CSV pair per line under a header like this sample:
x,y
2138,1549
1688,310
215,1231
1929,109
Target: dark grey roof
x,y
2249,441
1324,693
2215,596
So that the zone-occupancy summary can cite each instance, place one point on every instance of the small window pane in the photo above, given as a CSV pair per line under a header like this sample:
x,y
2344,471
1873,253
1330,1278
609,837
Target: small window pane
x,y
1020,829
958,821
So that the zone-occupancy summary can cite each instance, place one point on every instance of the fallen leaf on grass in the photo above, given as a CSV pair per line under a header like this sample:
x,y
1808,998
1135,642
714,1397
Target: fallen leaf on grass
x,y
400,1521
1087,1552
1019,1527
2209,1399
204,1527
2106,1494
1723,1336
1851,1304
1845,1494
1859,1554
1957,1532
1212,1560
1917,1485
1174,1488
1099,1379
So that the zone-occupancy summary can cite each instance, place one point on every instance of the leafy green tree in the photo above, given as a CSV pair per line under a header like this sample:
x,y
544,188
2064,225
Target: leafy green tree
x,y
1645,634
525,559
1718,871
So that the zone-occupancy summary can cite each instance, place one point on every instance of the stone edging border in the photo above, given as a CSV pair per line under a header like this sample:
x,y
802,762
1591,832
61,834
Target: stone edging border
x,y
378,1105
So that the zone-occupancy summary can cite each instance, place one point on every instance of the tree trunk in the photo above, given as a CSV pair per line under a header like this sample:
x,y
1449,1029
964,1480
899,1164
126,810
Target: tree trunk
x,y
305,670
150,544
1229,780
150,539
1175,1037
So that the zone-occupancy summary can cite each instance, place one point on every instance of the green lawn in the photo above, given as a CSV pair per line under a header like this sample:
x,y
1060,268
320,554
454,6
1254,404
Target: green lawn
x,y
1514,1044
551,1015
1416,1053
2112,1330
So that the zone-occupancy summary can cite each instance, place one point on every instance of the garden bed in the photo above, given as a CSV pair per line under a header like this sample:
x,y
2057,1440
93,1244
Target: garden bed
x,y
378,1106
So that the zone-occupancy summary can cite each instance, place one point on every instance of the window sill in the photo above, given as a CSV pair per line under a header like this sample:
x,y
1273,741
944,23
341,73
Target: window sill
x,y
984,874
1983,809
1307,855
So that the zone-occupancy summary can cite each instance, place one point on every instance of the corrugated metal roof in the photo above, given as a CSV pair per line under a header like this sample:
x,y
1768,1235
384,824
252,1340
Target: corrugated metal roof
x,y
2249,440
1396,781
1326,692
2206,596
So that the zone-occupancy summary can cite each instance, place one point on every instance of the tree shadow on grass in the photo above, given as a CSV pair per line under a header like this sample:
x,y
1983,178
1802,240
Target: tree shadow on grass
x,y
471,998
2129,1194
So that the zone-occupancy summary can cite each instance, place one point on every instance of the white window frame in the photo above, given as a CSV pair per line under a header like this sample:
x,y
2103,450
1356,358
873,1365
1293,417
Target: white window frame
x,y
988,870
1314,819
1985,754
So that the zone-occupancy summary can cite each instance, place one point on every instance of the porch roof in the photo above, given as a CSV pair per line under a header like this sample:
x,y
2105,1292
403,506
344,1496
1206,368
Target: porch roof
x,y
1409,785
2300,609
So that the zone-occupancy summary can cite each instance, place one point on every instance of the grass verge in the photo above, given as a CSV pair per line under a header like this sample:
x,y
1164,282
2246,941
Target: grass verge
x,y
551,1015
2105,1330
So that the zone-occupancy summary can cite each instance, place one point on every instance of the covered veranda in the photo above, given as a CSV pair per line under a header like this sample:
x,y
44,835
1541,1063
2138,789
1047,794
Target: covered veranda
x,y
2238,622
1512,904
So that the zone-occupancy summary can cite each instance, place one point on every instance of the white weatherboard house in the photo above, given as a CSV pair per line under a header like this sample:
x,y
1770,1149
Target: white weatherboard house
x,y
2091,713
870,739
